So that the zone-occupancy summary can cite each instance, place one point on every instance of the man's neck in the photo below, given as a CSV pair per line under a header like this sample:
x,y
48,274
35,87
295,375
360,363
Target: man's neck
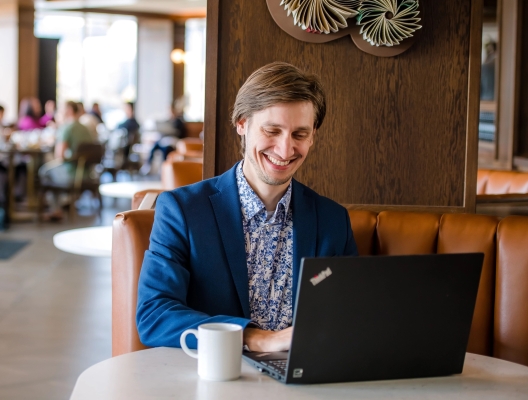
x,y
269,194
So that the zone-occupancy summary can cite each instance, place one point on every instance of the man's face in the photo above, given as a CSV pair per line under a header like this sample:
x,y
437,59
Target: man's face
x,y
277,141
68,112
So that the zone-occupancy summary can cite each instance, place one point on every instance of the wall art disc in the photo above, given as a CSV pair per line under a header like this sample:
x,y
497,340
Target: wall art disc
x,y
283,17
321,16
388,22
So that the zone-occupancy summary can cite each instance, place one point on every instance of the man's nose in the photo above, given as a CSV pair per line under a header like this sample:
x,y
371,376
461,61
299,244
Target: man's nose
x,y
285,146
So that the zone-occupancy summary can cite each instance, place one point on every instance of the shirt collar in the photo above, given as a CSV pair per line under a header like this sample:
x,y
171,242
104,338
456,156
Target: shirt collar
x,y
249,200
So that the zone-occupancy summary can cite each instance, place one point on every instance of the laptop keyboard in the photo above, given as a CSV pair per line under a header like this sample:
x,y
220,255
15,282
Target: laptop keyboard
x,y
278,366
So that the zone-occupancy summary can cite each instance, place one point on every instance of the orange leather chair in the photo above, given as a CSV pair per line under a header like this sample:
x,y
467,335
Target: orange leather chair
x,y
500,322
190,144
180,173
501,186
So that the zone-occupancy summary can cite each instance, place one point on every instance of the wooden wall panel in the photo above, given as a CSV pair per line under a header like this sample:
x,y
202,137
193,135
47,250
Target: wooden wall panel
x,y
398,130
27,54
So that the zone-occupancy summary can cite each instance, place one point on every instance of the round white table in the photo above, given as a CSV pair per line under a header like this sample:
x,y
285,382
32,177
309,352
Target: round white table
x,y
126,190
164,373
94,241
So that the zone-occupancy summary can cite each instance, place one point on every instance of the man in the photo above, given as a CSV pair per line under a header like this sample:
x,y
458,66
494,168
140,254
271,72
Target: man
x,y
131,126
69,136
130,123
96,112
228,249
177,130
89,121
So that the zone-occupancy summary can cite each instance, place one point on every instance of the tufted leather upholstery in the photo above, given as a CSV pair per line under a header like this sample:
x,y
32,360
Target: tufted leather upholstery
x,y
511,293
492,182
500,321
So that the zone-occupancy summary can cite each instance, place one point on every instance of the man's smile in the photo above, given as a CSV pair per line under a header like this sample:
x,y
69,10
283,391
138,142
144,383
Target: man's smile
x,y
276,161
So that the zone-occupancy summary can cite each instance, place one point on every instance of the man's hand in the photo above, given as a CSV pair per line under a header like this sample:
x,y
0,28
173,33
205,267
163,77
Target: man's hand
x,y
269,341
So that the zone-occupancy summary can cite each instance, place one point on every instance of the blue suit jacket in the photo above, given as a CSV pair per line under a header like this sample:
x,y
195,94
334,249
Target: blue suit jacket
x,y
195,270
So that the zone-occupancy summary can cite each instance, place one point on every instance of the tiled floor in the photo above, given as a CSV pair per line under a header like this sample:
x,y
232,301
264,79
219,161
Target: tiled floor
x,y
55,311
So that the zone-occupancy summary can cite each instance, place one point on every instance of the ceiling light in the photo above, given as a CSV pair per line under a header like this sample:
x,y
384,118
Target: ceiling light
x,y
177,56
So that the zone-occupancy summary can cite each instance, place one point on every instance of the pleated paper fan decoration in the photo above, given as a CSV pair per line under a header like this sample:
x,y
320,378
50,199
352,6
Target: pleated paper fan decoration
x,y
321,16
388,22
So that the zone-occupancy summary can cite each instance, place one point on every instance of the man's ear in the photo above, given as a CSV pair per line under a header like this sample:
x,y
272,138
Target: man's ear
x,y
241,127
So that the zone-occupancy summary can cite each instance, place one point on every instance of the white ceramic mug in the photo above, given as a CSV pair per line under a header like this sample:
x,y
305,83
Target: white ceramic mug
x,y
219,350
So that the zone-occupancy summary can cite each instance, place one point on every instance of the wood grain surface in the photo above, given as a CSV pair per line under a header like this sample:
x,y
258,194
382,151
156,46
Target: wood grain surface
x,y
397,129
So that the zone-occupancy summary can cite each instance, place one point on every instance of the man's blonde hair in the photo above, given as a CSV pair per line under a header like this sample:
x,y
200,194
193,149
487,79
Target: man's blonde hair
x,y
276,83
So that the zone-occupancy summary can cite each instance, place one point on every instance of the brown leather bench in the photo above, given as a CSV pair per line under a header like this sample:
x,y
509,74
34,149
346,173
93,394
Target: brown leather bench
x,y
501,186
500,322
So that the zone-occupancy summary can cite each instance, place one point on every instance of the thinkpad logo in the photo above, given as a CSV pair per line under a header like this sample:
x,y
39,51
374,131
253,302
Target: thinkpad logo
x,y
321,276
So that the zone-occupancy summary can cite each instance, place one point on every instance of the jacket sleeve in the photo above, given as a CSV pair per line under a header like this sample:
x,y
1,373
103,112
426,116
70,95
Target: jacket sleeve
x,y
162,311
350,246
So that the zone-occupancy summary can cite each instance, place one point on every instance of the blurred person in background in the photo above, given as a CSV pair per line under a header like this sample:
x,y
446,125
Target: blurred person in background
x,y
96,112
89,121
59,171
2,111
168,142
49,113
487,76
130,124
29,114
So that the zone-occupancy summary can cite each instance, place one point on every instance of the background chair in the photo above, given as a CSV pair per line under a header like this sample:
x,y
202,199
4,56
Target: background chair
x,y
180,173
119,154
187,149
87,157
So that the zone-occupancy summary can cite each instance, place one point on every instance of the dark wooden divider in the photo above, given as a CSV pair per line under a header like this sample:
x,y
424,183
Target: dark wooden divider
x,y
400,133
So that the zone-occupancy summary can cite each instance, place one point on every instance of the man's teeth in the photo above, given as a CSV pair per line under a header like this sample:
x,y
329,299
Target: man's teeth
x,y
277,162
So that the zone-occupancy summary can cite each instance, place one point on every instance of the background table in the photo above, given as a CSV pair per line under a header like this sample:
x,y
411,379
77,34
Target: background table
x,y
164,373
36,159
94,241
126,190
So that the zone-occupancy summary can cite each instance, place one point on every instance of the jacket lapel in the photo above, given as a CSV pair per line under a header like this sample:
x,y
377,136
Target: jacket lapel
x,y
304,231
226,206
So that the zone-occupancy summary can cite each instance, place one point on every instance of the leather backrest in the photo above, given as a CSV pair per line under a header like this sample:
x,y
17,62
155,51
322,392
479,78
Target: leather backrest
x,y
482,180
500,322
406,233
504,182
189,144
364,230
519,183
193,129
130,239
180,173
511,292
468,233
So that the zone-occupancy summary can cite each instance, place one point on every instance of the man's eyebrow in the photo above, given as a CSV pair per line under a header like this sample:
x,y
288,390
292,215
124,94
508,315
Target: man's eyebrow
x,y
274,125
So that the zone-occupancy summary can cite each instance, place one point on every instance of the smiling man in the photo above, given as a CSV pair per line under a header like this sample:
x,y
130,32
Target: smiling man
x,y
228,249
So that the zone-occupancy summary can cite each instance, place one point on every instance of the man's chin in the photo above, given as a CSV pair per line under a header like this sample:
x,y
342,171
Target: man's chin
x,y
275,181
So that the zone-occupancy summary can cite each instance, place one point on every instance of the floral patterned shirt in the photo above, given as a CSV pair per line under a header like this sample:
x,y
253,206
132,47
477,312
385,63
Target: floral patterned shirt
x,y
269,255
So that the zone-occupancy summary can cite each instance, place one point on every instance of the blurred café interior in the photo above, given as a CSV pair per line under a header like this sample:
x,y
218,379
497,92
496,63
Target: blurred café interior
x,y
430,136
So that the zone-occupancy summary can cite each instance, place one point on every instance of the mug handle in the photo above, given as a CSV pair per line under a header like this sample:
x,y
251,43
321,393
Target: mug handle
x,y
189,352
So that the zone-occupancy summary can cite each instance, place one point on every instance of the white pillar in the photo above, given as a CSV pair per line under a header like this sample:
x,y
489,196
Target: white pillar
x,y
9,59
155,70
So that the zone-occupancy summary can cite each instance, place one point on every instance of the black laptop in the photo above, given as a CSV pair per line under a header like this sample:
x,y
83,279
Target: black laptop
x,y
380,317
